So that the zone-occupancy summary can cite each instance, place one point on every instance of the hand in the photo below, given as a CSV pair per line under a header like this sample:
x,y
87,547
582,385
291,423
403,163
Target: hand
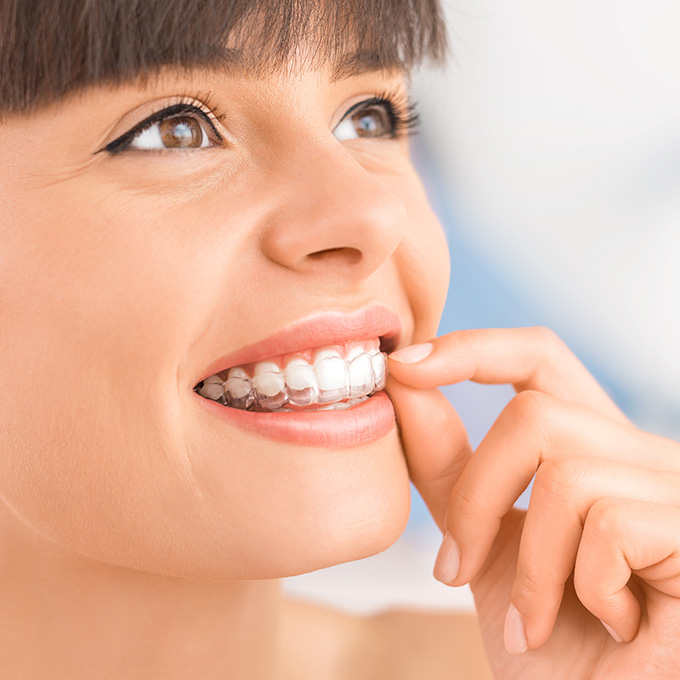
x,y
606,496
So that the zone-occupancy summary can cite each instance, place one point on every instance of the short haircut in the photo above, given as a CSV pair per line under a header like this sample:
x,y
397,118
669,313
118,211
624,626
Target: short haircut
x,y
49,48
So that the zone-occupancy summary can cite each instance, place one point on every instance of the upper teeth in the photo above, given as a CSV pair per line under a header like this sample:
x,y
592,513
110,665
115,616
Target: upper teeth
x,y
325,376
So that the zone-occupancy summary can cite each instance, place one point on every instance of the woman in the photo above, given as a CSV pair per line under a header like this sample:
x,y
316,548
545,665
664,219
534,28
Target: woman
x,y
211,227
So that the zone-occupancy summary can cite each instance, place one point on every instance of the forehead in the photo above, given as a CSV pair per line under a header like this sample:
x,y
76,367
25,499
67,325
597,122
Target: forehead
x,y
90,42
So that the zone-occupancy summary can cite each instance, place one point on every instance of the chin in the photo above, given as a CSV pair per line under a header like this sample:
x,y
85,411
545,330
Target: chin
x,y
359,516
299,510
332,507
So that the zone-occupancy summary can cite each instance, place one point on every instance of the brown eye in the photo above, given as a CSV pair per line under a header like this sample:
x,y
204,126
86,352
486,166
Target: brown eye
x,y
181,133
371,122
173,132
365,122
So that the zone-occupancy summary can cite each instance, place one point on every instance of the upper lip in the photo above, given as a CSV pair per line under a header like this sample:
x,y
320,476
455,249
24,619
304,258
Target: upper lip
x,y
327,328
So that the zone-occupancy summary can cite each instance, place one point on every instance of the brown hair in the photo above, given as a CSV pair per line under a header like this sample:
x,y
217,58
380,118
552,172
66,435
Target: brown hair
x,y
49,48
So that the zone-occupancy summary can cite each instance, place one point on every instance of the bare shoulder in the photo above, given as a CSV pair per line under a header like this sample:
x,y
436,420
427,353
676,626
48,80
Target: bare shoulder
x,y
326,644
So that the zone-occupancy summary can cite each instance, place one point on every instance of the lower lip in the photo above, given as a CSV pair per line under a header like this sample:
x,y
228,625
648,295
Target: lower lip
x,y
371,420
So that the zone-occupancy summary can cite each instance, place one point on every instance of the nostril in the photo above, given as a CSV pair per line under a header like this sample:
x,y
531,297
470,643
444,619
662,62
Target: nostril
x,y
347,255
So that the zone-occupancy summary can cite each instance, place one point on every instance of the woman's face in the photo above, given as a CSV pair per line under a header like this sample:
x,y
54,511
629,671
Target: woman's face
x,y
131,270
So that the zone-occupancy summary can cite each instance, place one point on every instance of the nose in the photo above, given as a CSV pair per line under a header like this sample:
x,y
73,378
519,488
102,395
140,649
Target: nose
x,y
331,215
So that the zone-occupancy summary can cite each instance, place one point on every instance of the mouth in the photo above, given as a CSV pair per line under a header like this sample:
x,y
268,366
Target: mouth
x,y
330,377
317,382
327,362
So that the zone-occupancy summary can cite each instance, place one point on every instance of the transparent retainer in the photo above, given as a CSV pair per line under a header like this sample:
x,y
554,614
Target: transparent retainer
x,y
300,385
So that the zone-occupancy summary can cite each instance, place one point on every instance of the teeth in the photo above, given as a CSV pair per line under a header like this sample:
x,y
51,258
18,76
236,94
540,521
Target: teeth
x,y
379,369
239,392
333,378
362,375
266,367
213,388
334,381
354,352
270,389
301,381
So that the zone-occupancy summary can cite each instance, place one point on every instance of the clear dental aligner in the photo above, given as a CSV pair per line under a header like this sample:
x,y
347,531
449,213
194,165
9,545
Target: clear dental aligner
x,y
332,378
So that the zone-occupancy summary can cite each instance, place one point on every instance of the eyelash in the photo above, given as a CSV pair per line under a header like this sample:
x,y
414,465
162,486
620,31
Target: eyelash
x,y
211,115
402,114
401,111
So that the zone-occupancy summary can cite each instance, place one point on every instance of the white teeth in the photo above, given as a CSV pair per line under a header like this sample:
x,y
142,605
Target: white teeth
x,y
361,375
326,353
239,392
302,386
379,369
237,372
266,367
213,388
269,384
336,380
238,387
270,389
333,378
354,352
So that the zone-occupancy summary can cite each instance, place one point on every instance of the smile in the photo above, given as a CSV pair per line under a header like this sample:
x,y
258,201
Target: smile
x,y
326,378
317,382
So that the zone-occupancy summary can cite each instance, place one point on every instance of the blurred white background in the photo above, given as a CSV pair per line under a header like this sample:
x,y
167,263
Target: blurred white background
x,y
551,151
556,136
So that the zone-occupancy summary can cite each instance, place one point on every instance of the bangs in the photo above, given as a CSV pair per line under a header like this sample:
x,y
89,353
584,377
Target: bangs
x,y
49,48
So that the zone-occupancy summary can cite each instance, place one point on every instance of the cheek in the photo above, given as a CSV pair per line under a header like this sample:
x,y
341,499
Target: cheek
x,y
101,451
92,448
423,260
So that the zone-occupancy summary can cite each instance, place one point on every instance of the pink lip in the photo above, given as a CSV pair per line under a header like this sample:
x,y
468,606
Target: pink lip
x,y
369,421
328,328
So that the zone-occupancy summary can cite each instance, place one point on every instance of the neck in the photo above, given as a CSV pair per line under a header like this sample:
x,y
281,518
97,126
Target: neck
x,y
66,616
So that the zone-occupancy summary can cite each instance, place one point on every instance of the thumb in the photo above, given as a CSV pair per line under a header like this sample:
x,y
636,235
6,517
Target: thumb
x,y
435,443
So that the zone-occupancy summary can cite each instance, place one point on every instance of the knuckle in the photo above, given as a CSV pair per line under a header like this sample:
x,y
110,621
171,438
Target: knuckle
x,y
530,407
546,339
558,479
528,583
465,502
549,347
604,519
467,347
533,591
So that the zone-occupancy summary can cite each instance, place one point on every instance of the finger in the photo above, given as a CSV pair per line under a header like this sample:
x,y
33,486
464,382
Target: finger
x,y
532,429
621,538
527,358
435,443
564,491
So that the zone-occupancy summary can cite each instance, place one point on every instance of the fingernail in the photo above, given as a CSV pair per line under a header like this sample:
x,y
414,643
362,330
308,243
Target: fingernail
x,y
412,354
447,564
515,633
612,632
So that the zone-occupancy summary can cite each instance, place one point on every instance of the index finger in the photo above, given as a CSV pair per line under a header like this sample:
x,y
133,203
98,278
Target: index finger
x,y
435,443
527,358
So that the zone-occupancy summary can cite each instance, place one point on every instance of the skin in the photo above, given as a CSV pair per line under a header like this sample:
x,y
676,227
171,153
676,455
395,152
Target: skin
x,y
128,513
140,538
599,540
